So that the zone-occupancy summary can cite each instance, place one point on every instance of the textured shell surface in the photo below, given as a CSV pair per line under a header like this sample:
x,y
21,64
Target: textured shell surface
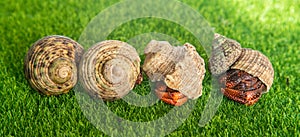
x,y
225,52
181,67
256,64
50,65
109,69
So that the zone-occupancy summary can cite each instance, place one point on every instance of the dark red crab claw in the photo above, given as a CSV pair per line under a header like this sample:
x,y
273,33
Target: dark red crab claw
x,y
241,87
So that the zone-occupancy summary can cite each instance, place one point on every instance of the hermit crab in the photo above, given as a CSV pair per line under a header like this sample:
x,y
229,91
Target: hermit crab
x,y
109,70
176,71
50,65
244,74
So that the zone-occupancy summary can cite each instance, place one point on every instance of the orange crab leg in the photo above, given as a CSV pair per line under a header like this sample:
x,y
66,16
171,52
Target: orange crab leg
x,y
169,96
173,98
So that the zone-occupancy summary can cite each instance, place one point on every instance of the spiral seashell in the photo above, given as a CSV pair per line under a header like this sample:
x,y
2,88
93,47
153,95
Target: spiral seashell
x,y
225,52
180,68
109,69
50,65
256,64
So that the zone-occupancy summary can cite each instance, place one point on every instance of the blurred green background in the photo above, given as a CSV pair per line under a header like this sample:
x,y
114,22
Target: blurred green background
x,y
272,27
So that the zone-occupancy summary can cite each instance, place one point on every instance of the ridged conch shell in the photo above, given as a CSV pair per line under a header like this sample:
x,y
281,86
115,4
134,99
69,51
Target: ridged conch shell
x,y
227,54
181,68
50,65
109,69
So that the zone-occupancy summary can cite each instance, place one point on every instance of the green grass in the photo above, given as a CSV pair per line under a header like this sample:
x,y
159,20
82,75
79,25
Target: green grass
x,y
268,26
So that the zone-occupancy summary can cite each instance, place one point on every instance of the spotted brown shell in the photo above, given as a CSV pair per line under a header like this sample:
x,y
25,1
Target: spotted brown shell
x,y
181,68
109,69
50,65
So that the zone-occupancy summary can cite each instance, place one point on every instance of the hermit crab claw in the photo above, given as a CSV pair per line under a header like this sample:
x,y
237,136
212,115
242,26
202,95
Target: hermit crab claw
x,y
177,71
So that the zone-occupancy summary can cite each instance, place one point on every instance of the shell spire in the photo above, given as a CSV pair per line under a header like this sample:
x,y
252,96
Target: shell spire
x,y
225,52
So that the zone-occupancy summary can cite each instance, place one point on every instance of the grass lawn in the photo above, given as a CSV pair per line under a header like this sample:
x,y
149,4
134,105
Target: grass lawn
x,y
268,26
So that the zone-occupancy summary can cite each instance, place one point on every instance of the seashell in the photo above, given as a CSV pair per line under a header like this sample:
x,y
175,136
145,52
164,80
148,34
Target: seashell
x,y
110,69
50,65
256,64
241,79
179,68
225,52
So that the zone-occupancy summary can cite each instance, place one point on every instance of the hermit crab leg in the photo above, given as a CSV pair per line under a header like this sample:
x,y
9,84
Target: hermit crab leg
x,y
168,95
